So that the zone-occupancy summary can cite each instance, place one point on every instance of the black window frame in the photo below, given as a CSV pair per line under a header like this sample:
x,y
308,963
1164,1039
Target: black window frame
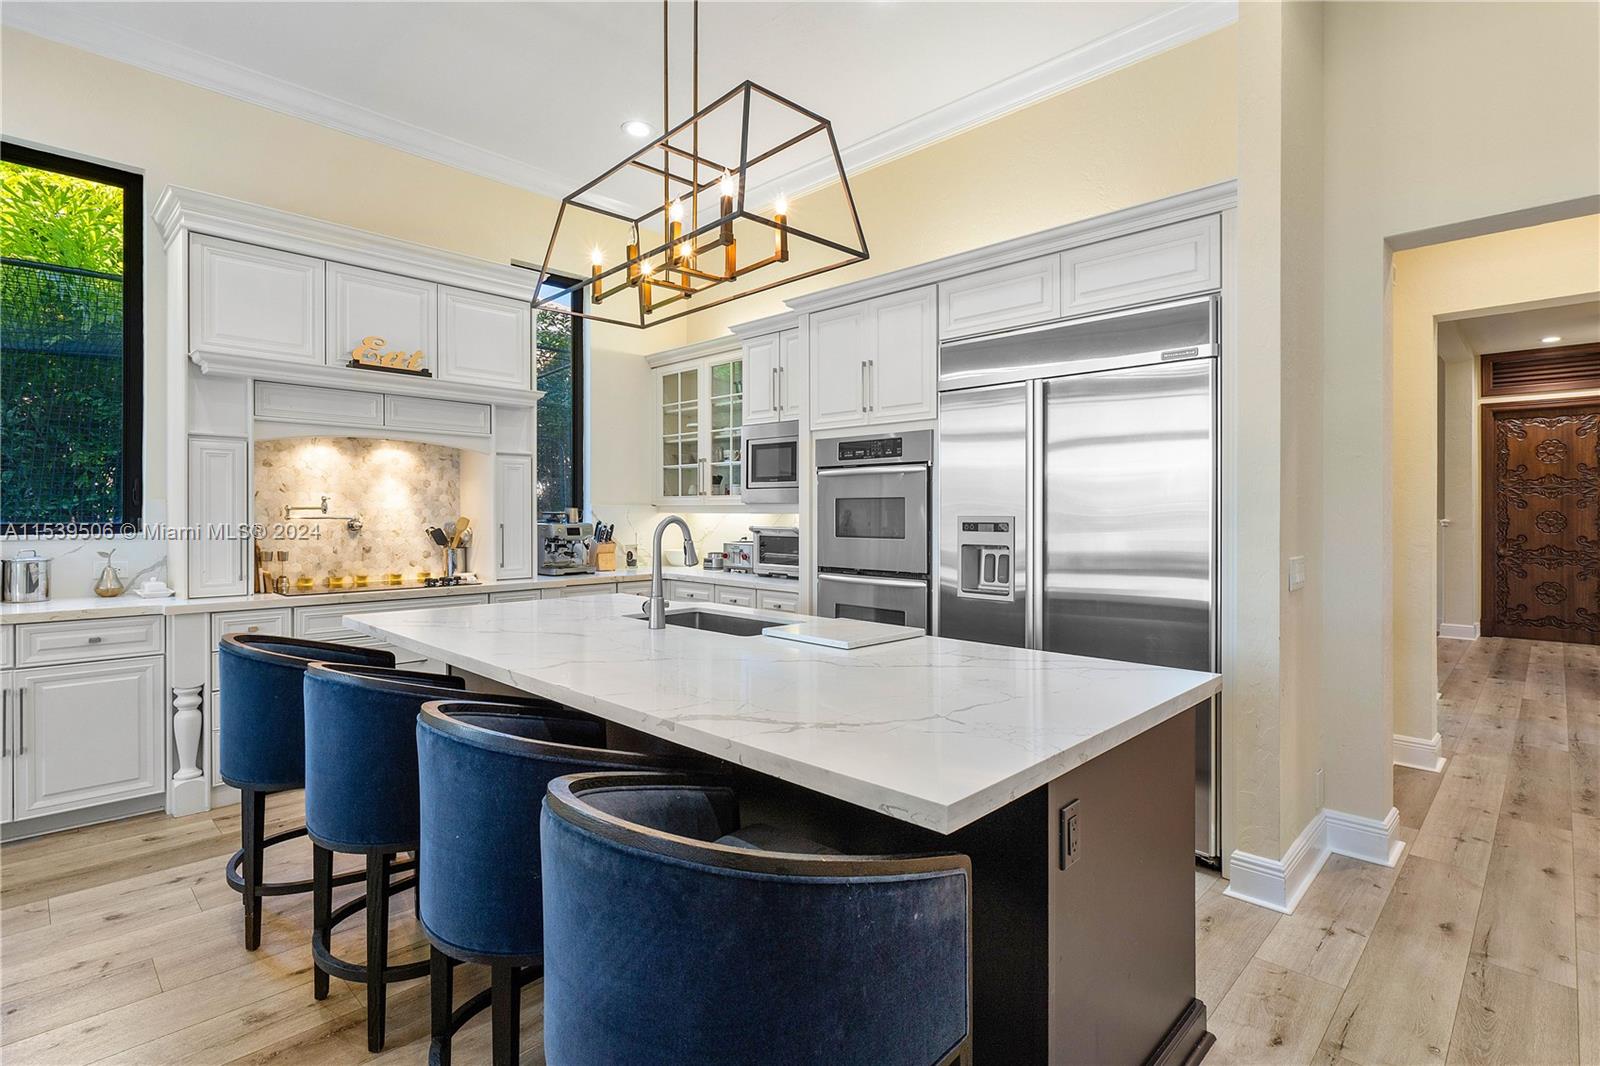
x,y
580,359
132,185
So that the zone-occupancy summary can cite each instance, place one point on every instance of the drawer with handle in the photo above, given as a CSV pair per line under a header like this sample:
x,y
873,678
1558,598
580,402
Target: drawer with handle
x,y
45,643
736,597
274,621
778,601
688,590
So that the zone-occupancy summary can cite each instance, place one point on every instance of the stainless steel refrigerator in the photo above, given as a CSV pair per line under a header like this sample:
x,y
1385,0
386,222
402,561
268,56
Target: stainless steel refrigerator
x,y
1077,493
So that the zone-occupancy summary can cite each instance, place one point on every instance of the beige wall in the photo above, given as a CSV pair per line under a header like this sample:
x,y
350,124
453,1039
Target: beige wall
x,y
1432,286
1458,544
1437,115
1271,728
177,134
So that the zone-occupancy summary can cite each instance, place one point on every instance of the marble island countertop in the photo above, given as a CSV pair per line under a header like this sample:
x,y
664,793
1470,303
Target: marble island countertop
x,y
932,731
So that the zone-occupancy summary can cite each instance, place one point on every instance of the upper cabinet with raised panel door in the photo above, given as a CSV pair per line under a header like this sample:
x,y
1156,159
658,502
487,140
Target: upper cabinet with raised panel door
x,y
253,301
1018,294
1169,261
400,313
774,377
484,339
875,361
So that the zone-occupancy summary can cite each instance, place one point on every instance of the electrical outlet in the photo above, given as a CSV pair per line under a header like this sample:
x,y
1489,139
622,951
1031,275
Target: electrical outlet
x,y
1317,798
1068,844
1297,572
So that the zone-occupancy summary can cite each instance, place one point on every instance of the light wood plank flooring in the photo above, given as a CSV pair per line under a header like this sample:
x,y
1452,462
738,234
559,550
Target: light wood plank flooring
x,y
121,943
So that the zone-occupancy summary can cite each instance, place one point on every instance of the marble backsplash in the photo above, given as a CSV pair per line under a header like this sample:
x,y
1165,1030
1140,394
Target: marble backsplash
x,y
636,524
397,487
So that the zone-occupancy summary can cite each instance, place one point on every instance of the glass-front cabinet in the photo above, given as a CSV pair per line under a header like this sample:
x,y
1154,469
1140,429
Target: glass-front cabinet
x,y
701,406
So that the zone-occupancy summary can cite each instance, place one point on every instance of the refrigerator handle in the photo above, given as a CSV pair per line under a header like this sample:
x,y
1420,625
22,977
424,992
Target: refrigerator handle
x,y
1033,557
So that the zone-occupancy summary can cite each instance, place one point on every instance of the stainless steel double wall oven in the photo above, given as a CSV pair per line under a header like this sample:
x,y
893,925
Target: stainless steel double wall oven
x,y
874,505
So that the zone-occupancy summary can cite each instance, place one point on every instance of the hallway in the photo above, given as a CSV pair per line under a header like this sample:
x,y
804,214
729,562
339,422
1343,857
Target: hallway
x,y
1483,946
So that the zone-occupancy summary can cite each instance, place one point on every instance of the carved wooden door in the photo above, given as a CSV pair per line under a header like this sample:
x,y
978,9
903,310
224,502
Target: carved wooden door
x,y
1542,521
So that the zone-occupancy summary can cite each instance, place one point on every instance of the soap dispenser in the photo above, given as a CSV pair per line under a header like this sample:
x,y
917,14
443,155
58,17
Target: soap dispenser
x,y
110,583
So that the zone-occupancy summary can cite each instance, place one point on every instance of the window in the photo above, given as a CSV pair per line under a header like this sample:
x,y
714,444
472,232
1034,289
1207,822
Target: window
x,y
558,368
71,343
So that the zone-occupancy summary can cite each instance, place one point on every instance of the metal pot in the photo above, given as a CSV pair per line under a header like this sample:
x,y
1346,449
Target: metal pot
x,y
26,578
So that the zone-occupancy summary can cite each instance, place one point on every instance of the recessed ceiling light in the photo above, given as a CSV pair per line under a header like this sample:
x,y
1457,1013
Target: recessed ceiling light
x,y
637,127
1548,340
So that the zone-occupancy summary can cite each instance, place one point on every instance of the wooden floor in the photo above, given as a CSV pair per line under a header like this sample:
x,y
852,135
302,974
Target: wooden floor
x,y
122,943
1483,946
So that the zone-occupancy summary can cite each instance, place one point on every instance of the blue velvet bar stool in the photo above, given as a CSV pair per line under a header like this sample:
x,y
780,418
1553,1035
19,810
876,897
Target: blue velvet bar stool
x,y
262,747
361,798
483,766
672,936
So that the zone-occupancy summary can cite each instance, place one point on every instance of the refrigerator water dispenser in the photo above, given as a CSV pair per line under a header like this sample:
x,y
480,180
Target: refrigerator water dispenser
x,y
986,545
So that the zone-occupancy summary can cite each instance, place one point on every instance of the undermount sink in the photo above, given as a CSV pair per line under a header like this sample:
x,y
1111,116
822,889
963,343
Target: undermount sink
x,y
711,621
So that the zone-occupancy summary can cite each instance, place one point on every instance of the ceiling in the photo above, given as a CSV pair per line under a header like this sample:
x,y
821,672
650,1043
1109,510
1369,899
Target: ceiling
x,y
534,94
1516,331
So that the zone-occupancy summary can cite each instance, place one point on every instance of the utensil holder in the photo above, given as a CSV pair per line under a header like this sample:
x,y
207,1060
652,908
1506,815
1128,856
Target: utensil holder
x,y
455,561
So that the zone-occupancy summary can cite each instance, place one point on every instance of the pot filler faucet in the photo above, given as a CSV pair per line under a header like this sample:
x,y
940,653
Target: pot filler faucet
x,y
655,608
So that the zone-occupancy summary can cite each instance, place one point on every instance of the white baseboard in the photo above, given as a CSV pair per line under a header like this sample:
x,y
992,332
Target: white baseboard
x,y
1457,631
1419,754
1278,884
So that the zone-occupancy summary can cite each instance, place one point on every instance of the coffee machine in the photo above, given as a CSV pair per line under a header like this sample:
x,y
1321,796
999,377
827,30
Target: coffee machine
x,y
565,548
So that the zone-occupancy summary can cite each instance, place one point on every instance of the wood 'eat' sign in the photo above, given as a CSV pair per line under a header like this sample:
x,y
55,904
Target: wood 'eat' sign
x,y
370,355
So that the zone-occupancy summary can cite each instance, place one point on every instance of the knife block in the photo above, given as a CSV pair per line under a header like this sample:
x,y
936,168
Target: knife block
x,y
605,556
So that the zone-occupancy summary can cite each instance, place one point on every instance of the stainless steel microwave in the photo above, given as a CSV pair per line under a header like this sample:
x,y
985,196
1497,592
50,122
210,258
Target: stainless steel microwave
x,y
772,464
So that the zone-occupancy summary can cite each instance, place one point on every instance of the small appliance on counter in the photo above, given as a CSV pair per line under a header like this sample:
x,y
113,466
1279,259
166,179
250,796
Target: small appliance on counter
x,y
740,556
26,577
775,551
565,547
715,561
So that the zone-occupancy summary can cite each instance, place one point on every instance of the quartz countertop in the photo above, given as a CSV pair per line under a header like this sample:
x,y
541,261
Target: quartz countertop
x,y
932,731
68,608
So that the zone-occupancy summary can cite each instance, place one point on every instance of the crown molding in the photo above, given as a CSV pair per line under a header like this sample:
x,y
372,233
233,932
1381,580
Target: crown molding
x,y
760,327
1122,48
1179,207
180,210
697,350
69,25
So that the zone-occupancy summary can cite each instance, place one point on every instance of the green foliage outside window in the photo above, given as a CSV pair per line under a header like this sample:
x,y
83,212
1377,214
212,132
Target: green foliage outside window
x,y
61,349
560,436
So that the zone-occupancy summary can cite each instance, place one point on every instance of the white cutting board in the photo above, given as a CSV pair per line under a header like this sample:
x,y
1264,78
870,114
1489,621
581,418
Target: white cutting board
x,y
843,633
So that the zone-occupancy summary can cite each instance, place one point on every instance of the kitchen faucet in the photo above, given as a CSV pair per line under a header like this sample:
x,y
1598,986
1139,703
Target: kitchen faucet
x,y
655,608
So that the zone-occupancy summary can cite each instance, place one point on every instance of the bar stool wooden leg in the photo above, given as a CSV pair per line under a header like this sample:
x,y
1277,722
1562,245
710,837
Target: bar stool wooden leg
x,y
442,994
252,828
377,946
505,1013
321,912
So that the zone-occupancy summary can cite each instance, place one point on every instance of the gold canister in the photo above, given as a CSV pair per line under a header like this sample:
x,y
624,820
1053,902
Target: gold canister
x,y
336,581
359,581
304,584
394,579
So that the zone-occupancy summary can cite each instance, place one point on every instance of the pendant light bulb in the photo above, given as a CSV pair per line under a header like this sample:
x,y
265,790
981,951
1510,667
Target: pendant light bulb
x,y
730,187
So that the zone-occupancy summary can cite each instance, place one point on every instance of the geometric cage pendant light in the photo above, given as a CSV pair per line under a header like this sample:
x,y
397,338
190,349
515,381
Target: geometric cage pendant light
x,y
747,193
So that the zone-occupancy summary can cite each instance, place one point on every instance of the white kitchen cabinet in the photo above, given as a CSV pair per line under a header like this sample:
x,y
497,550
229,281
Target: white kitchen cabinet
x,y
400,312
484,339
278,401
700,407
875,361
734,596
513,515
425,415
86,734
774,380
769,600
519,596
689,590
903,367
573,591
634,588
839,345
1158,264
8,732
219,506
1017,294
247,300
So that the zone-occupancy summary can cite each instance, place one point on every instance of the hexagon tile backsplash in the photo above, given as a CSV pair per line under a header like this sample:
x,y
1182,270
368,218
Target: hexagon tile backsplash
x,y
397,487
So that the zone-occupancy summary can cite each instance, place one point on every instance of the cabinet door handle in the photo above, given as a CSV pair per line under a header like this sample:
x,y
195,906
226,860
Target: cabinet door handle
x,y
502,544
863,386
705,477
22,726
96,640
5,722
868,390
777,395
